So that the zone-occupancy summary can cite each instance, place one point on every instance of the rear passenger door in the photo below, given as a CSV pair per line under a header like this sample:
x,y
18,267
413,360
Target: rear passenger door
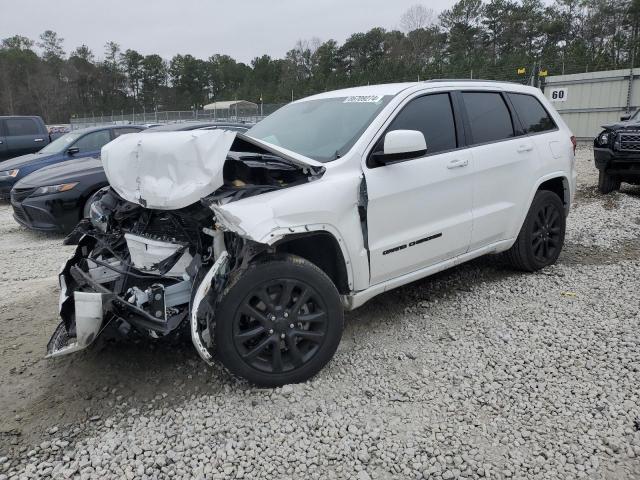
x,y
23,135
504,164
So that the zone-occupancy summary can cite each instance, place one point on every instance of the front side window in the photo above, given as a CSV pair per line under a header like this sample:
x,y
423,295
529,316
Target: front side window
x,y
93,141
21,126
489,116
433,116
323,129
532,114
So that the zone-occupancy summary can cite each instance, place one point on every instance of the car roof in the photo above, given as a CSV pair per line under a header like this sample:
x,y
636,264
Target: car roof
x,y
395,88
185,126
105,127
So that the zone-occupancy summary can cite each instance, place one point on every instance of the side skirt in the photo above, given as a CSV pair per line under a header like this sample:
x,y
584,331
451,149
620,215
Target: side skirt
x,y
355,300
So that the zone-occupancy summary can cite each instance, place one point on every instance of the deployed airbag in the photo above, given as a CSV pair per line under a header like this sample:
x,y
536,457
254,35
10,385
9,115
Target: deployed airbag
x,y
167,170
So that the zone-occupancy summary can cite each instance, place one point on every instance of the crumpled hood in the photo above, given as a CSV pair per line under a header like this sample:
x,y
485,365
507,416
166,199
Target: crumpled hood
x,y
171,170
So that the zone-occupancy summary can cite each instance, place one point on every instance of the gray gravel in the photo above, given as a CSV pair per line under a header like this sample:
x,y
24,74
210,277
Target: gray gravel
x,y
478,372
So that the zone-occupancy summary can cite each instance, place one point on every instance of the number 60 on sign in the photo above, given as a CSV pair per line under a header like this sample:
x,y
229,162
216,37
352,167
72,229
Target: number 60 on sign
x,y
558,94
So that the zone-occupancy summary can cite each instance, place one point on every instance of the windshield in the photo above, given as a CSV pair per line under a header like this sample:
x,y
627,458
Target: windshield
x,y
322,129
61,144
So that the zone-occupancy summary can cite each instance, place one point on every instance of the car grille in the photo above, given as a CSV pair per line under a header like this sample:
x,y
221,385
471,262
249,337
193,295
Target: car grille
x,y
19,194
630,142
38,216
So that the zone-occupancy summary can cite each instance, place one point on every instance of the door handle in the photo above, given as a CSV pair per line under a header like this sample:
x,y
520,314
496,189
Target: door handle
x,y
39,140
457,163
1,142
525,148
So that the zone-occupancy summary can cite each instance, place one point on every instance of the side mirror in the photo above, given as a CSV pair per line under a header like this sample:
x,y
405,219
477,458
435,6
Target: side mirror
x,y
401,145
625,117
73,150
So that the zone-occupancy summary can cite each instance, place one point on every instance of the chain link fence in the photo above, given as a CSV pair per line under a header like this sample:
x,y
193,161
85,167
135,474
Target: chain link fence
x,y
176,116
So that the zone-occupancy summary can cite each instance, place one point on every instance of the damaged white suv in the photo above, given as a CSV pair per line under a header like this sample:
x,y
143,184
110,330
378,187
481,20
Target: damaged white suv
x,y
257,242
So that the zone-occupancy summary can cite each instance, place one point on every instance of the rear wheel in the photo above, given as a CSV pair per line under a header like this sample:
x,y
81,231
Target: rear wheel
x,y
280,322
607,183
542,235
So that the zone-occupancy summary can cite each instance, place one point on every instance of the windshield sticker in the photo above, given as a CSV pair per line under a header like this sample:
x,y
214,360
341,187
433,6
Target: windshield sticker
x,y
363,99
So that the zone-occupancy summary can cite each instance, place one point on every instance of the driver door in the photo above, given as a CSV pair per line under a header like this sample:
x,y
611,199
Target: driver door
x,y
419,211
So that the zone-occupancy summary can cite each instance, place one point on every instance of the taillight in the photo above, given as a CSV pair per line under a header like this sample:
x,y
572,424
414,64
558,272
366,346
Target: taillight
x,y
574,142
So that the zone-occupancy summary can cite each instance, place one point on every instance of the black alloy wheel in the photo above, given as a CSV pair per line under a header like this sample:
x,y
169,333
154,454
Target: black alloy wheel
x,y
280,326
278,322
545,237
541,236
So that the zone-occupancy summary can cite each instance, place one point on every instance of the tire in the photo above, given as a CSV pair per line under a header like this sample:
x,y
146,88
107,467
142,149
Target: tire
x,y
541,237
607,183
304,335
87,205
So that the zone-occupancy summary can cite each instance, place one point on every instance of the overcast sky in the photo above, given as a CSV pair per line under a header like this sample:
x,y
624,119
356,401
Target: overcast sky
x,y
243,29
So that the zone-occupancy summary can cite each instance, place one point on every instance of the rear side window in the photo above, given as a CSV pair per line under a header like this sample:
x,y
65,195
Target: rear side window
x,y
532,114
93,141
433,116
489,116
21,126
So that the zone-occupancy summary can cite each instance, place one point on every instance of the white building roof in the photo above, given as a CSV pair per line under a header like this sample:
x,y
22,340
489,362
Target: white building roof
x,y
233,104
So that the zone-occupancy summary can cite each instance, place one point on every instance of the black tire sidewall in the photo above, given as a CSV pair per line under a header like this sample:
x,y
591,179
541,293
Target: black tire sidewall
x,y
541,199
607,183
283,267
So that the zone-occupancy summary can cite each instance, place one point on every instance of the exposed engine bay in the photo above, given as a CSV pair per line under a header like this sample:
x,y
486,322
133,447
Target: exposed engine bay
x,y
150,271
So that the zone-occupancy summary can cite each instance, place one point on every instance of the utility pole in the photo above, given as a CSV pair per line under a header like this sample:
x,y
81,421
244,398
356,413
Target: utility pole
x,y
633,58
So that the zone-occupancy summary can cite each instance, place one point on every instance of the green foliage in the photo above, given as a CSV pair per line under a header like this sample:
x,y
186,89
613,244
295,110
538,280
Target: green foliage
x,y
479,38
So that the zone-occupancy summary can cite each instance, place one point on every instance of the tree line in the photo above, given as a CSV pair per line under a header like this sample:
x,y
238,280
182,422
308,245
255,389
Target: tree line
x,y
496,39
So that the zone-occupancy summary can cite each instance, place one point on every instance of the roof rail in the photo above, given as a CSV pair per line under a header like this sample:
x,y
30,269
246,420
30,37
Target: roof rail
x,y
469,80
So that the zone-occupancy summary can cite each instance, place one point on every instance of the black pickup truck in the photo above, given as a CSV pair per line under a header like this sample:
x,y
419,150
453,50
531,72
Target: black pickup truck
x,y
617,153
21,135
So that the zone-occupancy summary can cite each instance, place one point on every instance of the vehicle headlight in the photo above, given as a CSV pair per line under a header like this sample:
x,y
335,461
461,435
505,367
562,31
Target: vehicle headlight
x,y
603,139
46,190
9,173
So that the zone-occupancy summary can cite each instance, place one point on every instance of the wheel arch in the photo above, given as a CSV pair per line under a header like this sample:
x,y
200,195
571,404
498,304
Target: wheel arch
x,y
558,185
324,250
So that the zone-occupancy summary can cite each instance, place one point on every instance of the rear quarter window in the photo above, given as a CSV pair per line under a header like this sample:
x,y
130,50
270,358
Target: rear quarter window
x,y
533,116
489,117
21,126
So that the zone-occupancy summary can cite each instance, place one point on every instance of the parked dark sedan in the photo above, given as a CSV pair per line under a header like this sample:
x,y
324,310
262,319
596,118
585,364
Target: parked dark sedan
x,y
74,145
57,197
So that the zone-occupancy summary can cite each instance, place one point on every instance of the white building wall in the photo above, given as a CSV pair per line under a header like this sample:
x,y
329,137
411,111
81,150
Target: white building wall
x,y
590,100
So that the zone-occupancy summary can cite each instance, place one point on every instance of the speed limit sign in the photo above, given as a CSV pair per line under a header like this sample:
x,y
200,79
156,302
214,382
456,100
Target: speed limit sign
x,y
558,94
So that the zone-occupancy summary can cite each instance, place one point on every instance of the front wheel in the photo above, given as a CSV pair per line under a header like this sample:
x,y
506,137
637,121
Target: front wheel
x,y
607,183
542,235
279,322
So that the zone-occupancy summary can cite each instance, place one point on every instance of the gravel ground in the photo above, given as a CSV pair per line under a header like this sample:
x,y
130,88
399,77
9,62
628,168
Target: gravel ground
x,y
478,372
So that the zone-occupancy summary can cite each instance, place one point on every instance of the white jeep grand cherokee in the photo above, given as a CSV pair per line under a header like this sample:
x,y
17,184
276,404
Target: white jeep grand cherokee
x,y
257,242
